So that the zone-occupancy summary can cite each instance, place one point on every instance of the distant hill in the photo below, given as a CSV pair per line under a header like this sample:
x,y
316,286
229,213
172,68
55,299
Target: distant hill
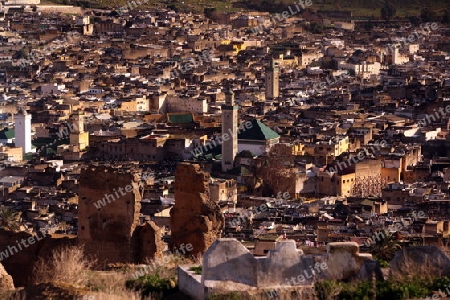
x,y
370,8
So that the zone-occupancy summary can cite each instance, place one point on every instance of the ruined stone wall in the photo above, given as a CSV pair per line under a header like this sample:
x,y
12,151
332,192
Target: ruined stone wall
x,y
147,242
106,231
195,219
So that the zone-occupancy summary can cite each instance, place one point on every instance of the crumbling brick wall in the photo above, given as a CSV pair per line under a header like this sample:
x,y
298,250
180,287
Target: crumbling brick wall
x,y
106,230
195,219
147,242
110,230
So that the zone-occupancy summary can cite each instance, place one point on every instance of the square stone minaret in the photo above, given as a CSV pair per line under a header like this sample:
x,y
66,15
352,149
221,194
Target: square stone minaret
x,y
229,131
272,81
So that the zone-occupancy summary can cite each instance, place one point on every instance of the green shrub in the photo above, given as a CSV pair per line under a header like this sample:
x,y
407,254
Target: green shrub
x,y
384,290
230,296
389,290
400,290
439,284
356,291
148,284
383,263
197,270
327,289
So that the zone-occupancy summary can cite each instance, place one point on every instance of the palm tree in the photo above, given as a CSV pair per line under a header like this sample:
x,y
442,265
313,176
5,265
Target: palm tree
x,y
386,247
10,219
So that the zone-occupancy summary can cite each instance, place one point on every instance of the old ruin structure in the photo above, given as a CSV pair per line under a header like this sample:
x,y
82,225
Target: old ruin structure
x,y
148,243
195,219
108,213
19,263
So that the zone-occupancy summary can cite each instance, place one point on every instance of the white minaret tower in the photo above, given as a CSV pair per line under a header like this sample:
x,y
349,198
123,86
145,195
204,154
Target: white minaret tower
x,y
23,130
272,81
230,128
395,56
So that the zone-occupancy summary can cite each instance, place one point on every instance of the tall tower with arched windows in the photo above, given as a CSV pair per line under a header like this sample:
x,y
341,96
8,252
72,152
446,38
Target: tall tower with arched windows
x,y
79,139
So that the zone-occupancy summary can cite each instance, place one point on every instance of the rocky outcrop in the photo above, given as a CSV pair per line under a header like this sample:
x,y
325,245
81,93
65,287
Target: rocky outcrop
x,y
195,219
426,261
19,261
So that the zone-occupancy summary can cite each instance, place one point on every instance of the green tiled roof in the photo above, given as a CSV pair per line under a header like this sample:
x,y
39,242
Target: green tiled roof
x,y
245,171
367,202
258,131
245,154
50,151
7,134
180,118
239,171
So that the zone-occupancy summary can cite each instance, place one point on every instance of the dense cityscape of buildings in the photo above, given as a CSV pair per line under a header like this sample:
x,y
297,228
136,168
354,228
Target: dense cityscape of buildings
x,y
98,111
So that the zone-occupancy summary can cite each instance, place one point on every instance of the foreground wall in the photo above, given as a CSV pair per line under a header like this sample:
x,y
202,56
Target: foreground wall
x,y
228,259
285,272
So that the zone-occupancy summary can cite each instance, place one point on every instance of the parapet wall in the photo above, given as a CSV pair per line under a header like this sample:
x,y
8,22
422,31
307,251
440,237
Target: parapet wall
x,y
190,283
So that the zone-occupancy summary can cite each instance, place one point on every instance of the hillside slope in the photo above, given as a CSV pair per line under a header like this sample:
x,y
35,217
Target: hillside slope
x,y
369,8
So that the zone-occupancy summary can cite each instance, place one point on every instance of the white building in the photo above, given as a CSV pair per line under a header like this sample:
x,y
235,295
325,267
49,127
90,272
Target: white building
x,y
398,58
363,69
23,130
83,20
52,89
